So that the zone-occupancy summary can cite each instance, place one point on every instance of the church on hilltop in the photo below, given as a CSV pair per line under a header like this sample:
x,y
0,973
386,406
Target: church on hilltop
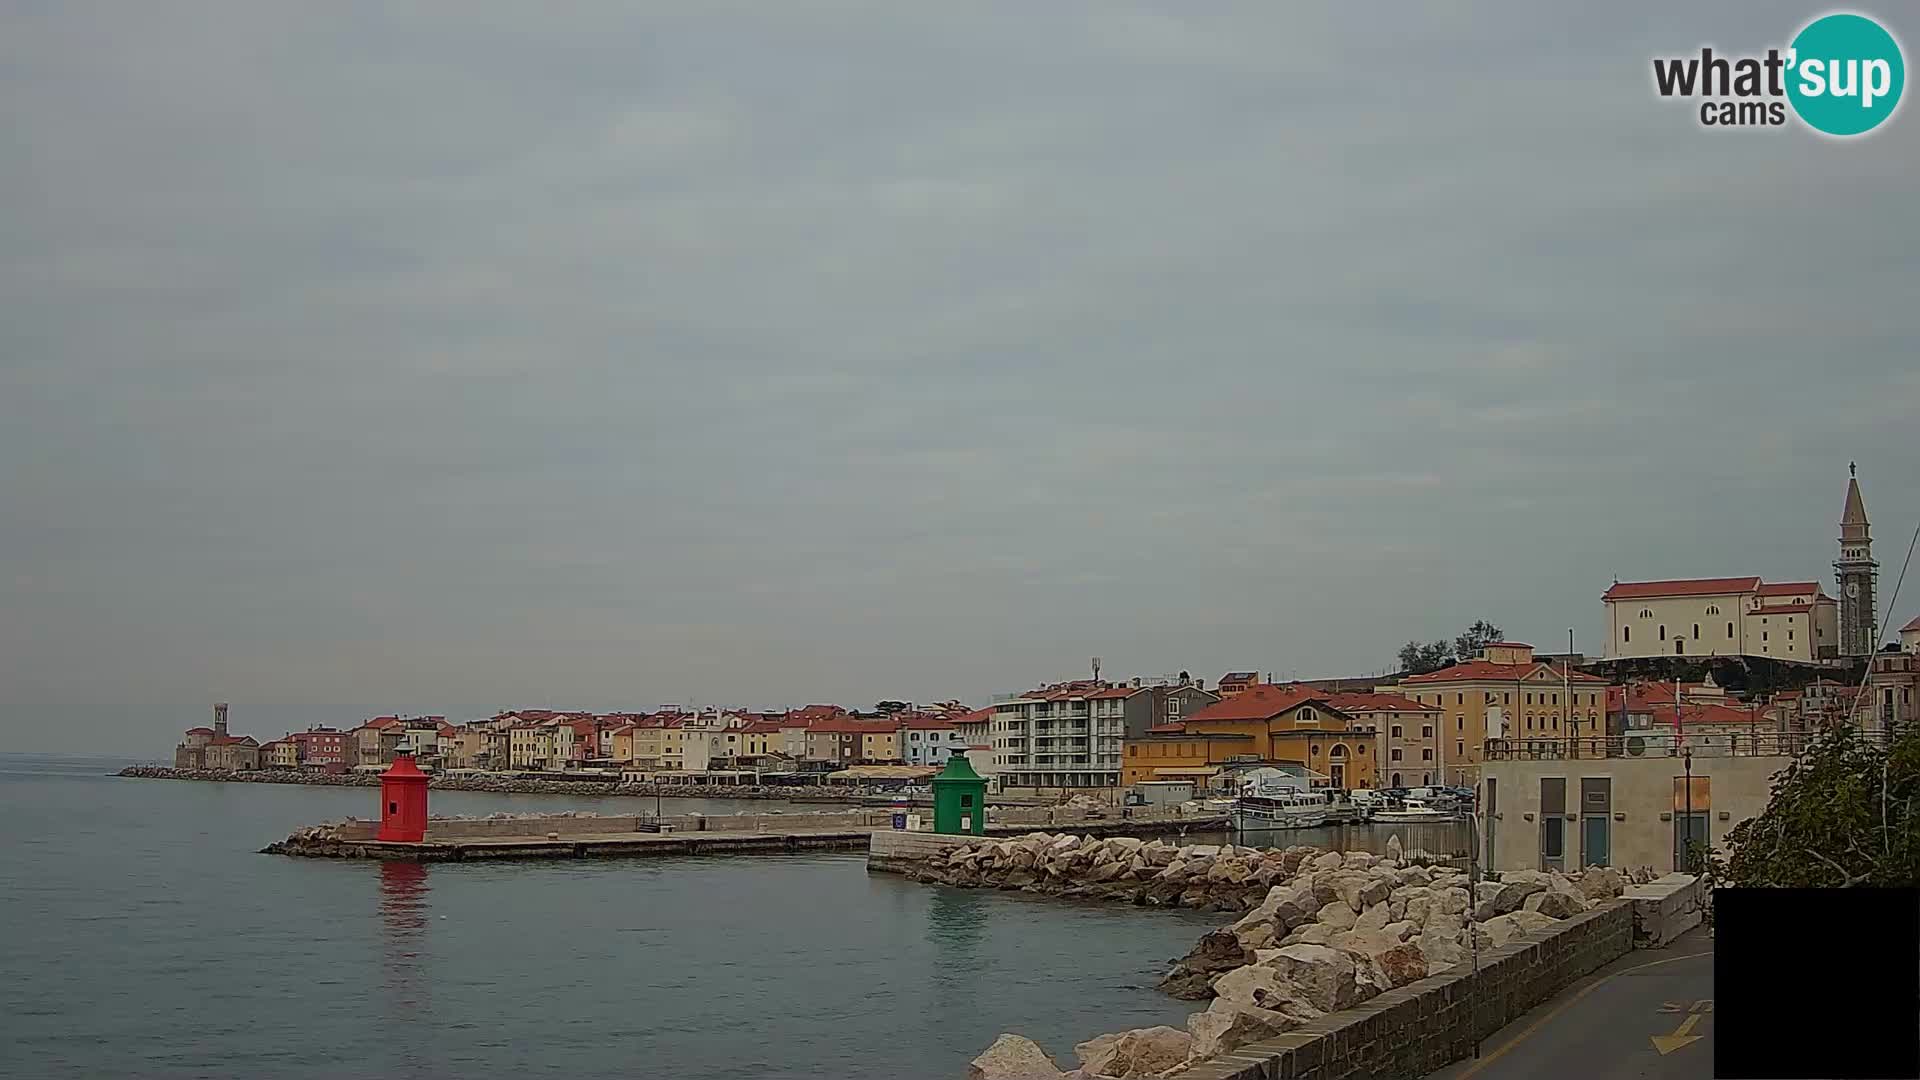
x,y
1745,616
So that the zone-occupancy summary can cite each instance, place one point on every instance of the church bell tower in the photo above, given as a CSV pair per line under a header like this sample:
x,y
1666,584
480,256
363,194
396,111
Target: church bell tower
x,y
1856,572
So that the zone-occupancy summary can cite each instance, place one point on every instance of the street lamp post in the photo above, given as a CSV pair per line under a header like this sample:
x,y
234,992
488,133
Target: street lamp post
x,y
1473,930
1686,759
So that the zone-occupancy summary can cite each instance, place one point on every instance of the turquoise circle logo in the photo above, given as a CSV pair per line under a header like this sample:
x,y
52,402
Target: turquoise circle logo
x,y
1846,74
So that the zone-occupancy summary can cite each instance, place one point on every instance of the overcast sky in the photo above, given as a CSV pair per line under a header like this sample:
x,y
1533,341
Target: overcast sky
x,y
616,354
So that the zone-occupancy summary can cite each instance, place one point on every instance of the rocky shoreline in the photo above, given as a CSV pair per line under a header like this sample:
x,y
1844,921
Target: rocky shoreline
x,y
503,786
1322,931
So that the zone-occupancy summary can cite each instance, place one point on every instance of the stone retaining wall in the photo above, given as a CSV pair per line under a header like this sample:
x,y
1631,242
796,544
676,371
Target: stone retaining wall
x,y
1665,908
1424,1026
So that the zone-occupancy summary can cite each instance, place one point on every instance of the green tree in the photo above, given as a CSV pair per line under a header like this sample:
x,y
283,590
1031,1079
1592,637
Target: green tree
x,y
1842,815
1477,637
1418,658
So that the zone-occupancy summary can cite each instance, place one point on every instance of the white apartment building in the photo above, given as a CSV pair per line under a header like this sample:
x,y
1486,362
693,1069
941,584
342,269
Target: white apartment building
x,y
1065,736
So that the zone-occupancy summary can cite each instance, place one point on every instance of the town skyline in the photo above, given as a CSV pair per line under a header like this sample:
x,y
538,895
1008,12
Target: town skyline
x,y
686,366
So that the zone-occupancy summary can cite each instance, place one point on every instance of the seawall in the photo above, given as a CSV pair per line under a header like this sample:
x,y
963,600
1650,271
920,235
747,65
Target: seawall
x,y
568,836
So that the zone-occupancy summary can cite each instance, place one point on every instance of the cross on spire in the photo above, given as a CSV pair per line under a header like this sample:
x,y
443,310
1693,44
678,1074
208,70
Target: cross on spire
x,y
1851,470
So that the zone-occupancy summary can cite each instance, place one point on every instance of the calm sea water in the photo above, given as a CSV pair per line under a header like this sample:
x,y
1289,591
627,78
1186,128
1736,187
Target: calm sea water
x,y
144,937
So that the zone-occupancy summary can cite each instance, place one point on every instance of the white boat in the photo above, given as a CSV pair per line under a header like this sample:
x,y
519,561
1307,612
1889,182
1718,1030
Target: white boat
x,y
1280,810
1411,810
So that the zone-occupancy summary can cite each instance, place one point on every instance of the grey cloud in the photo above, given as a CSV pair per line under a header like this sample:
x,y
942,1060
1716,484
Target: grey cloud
x,y
611,355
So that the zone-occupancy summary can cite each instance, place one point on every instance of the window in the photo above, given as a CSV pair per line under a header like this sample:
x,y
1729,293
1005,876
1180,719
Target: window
x,y
1362,749
1426,731
1713,609
1426,755
1529,721
1506,699
1529,699
1729,631
1133,751
1696,631
1646,613
1626,633
1306,716
1789,634
1459,749
1763,635
1663,631
1393,754
1395,732
1459,723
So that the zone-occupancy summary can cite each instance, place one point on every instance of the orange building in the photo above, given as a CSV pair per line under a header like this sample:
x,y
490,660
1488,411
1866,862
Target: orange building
x,y
1263,725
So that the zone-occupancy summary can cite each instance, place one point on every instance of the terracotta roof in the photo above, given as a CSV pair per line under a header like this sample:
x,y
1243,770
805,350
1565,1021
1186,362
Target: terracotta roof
x,y
1117,692
1179,727
1487,671
1647,590
842,725
763,727
232,740
209,731
1691,715
928,723
1789,588
1507,645
1259,703
980,715
1377,703
1240,676
1783,609
1912,626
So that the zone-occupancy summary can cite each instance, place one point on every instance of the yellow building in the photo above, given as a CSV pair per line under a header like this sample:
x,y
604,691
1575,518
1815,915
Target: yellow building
x,y
281,754
1506,694
622,741
528,746
881,743
1266,725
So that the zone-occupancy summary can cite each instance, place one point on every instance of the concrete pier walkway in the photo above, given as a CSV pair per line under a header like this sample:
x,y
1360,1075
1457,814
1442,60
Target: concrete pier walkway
x,y
1647,1015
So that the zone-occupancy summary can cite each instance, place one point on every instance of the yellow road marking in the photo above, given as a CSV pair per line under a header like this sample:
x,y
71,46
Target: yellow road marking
x,y
1682,1036
1567,1004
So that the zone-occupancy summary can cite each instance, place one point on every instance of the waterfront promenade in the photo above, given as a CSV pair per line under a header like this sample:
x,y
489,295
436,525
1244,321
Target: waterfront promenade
x,y
1648,1014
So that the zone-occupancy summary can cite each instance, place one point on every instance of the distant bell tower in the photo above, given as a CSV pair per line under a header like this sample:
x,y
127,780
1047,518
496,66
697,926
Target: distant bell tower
x,y
1856,572
220,718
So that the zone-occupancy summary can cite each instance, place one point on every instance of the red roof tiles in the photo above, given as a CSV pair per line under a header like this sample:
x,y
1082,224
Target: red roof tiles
x,y
1377,703
1647,590
1789,588
1487,671
1260,702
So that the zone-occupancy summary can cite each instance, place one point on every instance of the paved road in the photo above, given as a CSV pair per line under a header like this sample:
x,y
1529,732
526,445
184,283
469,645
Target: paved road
x,y
1614,1023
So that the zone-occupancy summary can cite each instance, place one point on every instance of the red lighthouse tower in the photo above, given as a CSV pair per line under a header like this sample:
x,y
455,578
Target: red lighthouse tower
x,y
403,802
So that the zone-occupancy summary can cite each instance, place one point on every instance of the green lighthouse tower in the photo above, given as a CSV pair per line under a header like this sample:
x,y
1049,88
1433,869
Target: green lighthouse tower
x,y
960,798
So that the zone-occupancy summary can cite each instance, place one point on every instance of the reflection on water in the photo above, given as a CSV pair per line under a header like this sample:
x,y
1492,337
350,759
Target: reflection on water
x,y
403,917
956,921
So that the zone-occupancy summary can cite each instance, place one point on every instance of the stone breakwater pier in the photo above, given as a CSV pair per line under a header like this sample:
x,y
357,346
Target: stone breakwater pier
x,y
580,836
1340,963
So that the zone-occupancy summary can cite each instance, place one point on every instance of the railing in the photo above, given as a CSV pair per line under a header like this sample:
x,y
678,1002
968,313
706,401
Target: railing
x,y
1701,743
